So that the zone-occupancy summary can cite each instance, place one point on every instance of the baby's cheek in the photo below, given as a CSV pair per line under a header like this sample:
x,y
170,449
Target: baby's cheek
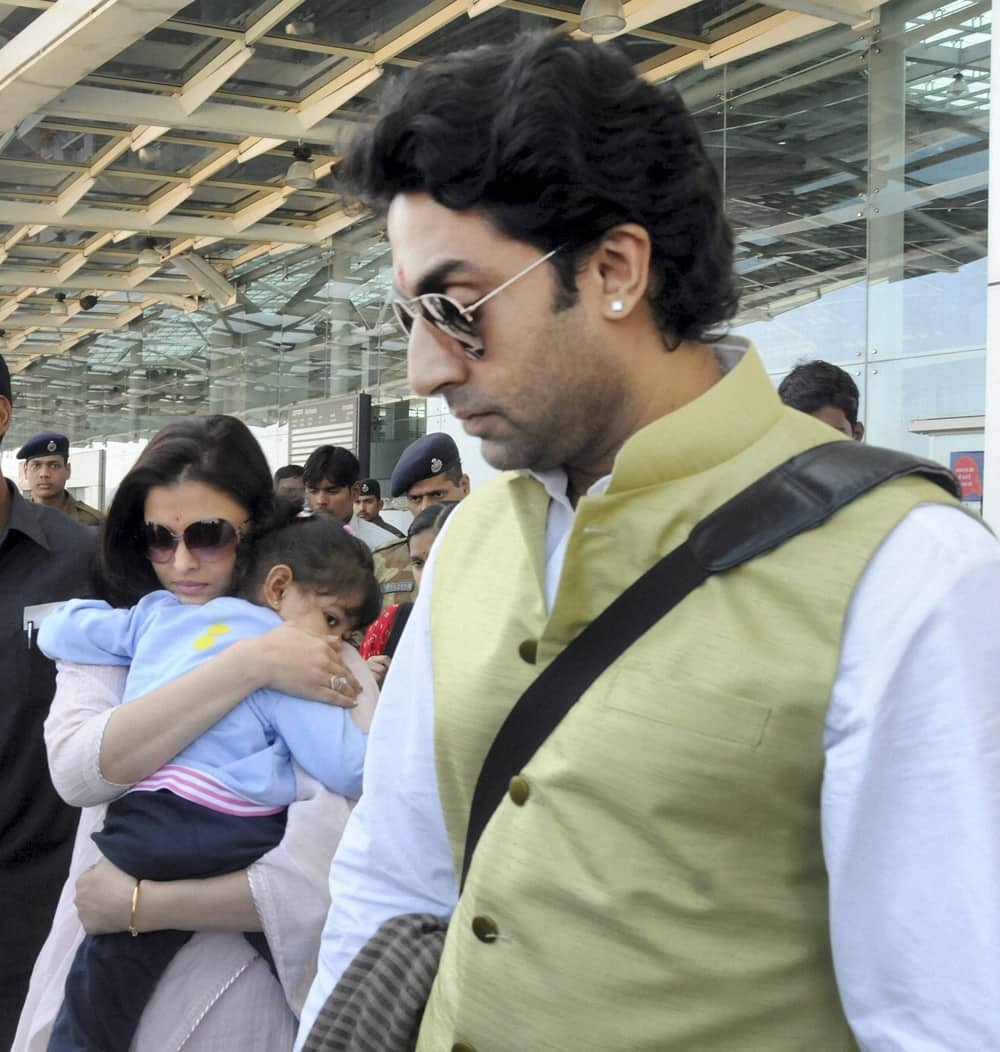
x,y
314,622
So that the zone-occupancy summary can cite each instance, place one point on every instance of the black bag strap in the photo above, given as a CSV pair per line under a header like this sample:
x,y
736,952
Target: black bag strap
x,y
403,612
798,495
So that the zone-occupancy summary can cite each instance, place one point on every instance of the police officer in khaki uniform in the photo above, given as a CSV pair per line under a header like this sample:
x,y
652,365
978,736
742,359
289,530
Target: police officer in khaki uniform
x,y
428,472
368,505
47,471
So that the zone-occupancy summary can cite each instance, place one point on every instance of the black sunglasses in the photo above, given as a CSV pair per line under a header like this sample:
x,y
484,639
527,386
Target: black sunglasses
x,y
209,540
449,316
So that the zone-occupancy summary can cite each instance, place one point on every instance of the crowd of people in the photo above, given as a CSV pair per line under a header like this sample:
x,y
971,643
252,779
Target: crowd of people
x,y
277,772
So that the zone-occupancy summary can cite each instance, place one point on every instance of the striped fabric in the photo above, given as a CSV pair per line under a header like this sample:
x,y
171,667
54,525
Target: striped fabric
x,y
379,1002
202,788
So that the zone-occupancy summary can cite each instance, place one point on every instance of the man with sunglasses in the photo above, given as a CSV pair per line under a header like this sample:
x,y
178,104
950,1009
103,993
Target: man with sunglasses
x,y
44,556
772,823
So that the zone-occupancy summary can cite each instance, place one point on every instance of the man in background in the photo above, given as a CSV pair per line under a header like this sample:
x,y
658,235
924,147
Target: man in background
x,y
331,476
44,557
46,473
368,505
289,483
826,392
428,472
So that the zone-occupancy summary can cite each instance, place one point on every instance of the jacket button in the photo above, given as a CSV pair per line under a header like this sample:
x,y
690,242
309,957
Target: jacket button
x,y
519,789
462,1046
484,928
528,651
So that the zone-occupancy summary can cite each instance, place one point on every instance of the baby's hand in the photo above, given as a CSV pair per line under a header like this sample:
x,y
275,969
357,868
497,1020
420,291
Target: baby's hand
x,y
379,666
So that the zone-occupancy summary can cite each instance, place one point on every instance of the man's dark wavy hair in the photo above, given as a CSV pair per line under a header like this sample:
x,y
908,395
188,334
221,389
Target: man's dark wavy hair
x,y
814,385
556,141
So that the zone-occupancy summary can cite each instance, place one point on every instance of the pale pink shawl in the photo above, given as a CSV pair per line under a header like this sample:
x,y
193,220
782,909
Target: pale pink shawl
x,y
217,995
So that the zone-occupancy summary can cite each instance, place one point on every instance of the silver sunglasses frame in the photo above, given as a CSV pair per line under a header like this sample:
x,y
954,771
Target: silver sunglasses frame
x,y
411,308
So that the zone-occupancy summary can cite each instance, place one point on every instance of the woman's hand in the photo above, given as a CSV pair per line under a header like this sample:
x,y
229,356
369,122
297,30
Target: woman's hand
x,y
304,665
379,666
104,898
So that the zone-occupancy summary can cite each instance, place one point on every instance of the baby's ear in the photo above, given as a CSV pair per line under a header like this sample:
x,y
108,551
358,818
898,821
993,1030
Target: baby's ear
x,y
275,586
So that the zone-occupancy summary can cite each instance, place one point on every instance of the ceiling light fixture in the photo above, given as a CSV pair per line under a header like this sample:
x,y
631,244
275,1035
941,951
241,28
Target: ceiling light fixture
x,y
88,302
59,308
150,256
303,27
602,17
301,174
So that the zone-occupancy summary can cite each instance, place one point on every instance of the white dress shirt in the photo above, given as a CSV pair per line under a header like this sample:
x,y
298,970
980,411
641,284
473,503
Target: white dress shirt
x,y
910,799
371,534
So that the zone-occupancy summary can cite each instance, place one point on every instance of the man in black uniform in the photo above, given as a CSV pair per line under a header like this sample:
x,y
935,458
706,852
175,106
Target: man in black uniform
x,y
44,557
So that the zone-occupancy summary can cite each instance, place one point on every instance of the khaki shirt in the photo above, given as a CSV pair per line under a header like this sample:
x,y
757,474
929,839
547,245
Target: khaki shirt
x,y
394,573
76,509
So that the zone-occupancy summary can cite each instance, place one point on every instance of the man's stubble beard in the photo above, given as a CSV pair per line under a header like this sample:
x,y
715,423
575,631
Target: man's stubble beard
x,y
566,420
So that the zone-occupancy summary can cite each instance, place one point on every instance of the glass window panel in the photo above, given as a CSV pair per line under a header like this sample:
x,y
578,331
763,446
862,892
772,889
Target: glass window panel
x,y
164,56
277,73
32,179
61,145
712,20
346,22
934,387
831,327
495,26
928,207
163,155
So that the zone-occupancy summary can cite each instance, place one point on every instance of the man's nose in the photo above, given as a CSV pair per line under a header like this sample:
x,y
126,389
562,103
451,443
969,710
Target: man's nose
x,y
434,361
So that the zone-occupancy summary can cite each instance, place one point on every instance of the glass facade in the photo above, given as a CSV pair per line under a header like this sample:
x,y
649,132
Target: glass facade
x,y
855,166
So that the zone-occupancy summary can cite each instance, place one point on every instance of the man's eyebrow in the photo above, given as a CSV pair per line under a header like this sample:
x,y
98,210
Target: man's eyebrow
x,y
436,278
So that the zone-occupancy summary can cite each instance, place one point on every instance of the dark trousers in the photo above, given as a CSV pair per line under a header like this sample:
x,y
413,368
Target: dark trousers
x,y
152,836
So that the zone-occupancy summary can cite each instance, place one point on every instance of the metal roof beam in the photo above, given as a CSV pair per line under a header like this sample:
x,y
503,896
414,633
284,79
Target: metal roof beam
x,y
138,108
99,282
87,218
66,43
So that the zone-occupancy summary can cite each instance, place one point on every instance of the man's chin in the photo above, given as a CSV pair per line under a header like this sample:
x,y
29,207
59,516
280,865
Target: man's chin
x,y
512,456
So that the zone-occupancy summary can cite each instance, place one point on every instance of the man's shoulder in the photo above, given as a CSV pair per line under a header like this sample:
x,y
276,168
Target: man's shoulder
x,y
62,532
83,513
374,536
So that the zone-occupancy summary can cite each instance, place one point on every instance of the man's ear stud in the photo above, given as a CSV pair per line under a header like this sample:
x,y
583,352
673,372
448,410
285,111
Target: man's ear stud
x,y
617,306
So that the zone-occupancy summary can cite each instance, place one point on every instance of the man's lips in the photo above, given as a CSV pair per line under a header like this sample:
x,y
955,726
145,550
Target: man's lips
x,y
475,423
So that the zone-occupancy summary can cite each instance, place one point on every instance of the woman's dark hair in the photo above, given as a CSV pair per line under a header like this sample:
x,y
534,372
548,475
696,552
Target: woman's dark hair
x,y
556,141
218,451
433,517
321,554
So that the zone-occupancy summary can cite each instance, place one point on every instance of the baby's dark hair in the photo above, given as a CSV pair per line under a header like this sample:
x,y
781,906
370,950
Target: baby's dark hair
x,y
321,555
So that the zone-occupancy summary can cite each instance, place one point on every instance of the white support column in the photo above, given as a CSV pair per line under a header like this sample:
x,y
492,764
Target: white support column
x,y
991,455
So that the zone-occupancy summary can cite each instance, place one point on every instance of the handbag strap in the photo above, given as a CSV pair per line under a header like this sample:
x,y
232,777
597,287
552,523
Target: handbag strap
x,y
797,495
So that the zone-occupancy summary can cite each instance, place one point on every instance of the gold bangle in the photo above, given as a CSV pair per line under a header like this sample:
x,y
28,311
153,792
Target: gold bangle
x,y
132,929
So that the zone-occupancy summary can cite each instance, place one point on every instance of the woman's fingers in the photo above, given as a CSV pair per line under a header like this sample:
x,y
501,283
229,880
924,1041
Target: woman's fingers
x,y
104,898
307,666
